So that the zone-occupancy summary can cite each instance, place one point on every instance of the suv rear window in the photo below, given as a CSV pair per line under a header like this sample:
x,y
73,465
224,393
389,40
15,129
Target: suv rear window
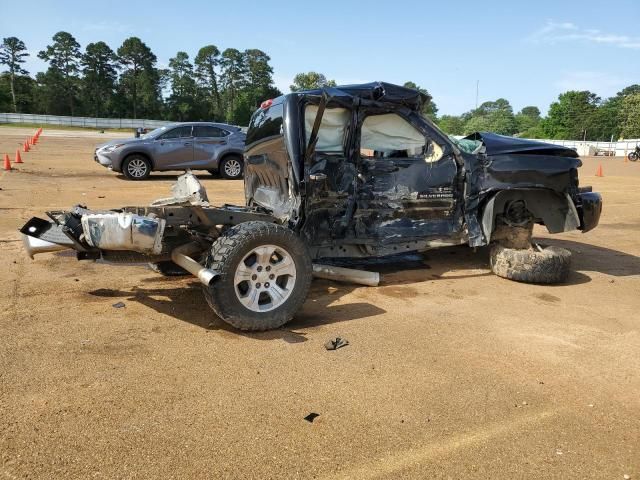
x,y
208,131
265,123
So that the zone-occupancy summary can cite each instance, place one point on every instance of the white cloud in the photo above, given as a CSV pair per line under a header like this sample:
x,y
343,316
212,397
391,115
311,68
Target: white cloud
x,y
555,32
604,84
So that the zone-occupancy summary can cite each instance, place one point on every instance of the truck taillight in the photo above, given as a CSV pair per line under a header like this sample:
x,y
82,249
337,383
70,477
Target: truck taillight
x,y
266,104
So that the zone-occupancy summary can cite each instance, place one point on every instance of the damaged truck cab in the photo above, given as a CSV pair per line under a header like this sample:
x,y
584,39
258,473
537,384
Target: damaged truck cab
x,y
345,172
359,172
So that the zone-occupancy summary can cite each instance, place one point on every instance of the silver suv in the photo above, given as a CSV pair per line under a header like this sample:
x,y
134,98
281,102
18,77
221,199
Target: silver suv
x,y
215,147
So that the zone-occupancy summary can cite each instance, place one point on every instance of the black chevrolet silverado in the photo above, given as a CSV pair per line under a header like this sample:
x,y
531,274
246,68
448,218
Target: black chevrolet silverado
x,y
345,172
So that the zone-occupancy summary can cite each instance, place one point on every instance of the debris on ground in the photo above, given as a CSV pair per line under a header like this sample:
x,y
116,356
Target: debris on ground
x,y
311,417
119,305
336,344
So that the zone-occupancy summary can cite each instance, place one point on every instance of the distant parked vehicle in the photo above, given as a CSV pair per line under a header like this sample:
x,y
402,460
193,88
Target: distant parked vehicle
x,y
215,147
635,155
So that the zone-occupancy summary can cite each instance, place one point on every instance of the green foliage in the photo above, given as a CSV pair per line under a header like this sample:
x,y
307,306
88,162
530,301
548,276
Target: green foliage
x,y
630,116
229,86
429,109
99,79
140,79
206,63
494,116
181,103
61,80
12,54
572,116
451,124
527,120
310,81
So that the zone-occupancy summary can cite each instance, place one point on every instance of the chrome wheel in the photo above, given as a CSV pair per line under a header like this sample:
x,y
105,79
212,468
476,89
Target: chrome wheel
x,y
265,278
137,168
232,168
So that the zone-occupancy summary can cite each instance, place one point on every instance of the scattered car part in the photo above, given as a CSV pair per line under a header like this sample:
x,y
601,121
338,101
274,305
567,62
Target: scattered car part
x,y
349,275
337,343
180,256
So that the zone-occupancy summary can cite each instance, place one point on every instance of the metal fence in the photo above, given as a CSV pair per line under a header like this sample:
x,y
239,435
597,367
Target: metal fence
x,y
609,149
87,122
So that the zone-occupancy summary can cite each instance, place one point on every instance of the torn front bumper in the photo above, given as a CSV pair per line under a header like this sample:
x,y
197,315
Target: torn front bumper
x,y
589,206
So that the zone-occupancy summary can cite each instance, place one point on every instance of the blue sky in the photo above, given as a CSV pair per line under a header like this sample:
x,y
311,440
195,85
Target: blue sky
x,y
527,51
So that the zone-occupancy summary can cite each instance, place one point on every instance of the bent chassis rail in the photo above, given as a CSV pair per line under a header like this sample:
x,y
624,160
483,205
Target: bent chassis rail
x,y
198,225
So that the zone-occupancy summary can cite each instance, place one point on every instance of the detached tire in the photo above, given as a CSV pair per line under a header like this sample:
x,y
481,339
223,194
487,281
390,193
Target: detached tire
x,y
551,265
168,269
265,274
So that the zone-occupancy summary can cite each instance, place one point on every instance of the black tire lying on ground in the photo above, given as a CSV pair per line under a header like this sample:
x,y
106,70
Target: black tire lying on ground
x,y
265,274
544,265
168,269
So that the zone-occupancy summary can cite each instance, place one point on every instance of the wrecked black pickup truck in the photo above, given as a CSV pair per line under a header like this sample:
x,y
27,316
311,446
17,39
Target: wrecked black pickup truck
x,y
344,172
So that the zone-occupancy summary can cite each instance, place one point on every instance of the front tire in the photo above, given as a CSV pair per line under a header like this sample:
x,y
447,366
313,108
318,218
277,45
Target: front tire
x,y
264,276
531,265
136,167
633,156
231,167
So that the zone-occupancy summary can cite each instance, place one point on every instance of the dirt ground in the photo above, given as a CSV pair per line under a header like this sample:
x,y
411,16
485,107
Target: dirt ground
x,y
451,372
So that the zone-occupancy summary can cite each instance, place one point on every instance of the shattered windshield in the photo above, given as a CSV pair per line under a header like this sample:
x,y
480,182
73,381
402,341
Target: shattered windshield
x,y
469,146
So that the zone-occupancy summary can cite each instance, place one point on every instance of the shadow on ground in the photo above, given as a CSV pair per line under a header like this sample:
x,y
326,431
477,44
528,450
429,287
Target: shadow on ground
x,y
591,258
182,298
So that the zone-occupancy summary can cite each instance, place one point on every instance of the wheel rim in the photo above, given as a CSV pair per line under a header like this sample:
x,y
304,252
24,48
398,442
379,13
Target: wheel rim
x,y
137,168
265,278
232,167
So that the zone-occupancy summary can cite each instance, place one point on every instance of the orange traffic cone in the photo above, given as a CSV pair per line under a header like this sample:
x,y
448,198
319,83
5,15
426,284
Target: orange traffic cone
x,y
34,140
599,171
7,162
18,157
25,147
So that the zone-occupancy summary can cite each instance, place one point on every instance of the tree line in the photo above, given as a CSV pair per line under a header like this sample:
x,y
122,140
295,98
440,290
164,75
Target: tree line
x,y
576,115
229,85
219,85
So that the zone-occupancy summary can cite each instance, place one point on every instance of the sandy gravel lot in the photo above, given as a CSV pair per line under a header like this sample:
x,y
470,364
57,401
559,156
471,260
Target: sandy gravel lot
x,y
451,371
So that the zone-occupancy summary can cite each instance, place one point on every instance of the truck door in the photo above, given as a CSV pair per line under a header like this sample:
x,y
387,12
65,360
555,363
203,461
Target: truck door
x,y
408,181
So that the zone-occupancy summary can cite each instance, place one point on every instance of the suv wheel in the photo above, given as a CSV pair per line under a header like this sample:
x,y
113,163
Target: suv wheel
x,y
231,167
136,167
265,274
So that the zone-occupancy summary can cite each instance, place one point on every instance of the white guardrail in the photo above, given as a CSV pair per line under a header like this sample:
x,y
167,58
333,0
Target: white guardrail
x,y
88,122
610,149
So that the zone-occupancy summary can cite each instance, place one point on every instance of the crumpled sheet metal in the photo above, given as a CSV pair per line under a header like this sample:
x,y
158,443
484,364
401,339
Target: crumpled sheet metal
x,y
123,231
186,191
